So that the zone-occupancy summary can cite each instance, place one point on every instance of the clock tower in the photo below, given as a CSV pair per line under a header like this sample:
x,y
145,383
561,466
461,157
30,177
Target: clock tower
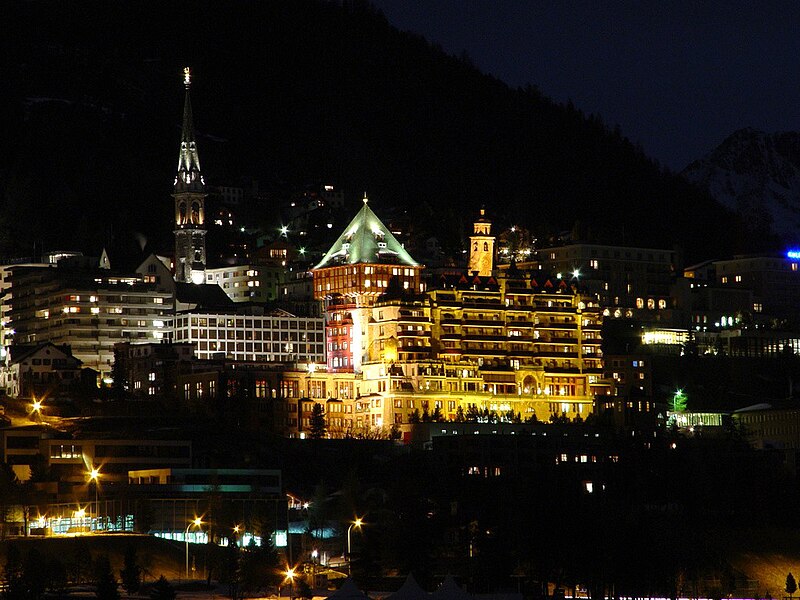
x,y
481,247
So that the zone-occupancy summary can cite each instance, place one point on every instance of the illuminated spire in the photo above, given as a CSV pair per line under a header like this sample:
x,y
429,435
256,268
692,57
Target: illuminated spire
x,y
189,177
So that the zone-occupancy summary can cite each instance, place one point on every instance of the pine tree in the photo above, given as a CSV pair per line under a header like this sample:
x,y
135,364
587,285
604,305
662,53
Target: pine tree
x,y
56,577
303,590
12,575
317,426
162,590
791,585
105,583
34,577
131,574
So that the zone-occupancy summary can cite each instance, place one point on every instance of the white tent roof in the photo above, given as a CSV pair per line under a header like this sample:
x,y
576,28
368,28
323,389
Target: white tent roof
x,y
348,591
450,590
410,590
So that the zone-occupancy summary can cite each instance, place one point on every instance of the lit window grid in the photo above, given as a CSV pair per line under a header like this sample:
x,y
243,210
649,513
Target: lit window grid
x,y
239,341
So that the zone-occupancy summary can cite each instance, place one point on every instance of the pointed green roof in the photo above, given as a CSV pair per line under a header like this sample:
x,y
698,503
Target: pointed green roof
x,y
189,178
366,240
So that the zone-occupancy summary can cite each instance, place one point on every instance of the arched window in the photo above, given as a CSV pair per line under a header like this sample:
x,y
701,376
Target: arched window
x,y
485,246
196,213
475,248
182,213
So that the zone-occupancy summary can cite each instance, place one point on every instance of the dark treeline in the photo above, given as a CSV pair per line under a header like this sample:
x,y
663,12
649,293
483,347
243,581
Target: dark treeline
x,y
667,516
293,92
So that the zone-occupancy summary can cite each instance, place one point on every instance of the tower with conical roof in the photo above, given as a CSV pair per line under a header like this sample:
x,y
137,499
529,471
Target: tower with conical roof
x,y
364,261
190,198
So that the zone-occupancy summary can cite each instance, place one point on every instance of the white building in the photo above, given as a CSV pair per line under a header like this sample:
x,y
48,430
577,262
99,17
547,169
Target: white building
x,y
278,336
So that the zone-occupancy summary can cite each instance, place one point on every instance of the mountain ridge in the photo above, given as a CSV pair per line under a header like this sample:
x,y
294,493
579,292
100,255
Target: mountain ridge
x,y
302,91
757,175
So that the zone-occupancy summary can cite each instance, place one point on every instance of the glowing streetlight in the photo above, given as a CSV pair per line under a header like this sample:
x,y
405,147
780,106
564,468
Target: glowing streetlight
x,y
284,231
236,530
37,405
197,522
94,475
357,524
576,273
290,579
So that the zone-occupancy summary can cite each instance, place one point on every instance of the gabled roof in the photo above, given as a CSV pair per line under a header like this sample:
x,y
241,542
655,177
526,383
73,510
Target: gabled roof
x,y
20,352
366,240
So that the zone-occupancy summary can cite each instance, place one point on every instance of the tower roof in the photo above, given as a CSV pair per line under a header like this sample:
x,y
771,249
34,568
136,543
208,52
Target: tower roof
x,y
366,240
189,177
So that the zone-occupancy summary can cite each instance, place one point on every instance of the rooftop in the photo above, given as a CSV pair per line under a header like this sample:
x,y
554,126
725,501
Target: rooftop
x,y
366,240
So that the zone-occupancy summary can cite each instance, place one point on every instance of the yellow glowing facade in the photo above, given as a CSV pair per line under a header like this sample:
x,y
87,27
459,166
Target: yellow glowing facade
x,y
503,346
481,248
524,344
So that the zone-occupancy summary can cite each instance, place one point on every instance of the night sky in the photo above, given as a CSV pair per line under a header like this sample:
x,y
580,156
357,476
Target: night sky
x,y
677,77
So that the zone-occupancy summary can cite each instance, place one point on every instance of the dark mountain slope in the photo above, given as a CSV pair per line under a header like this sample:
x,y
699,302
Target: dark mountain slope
x,y
297,91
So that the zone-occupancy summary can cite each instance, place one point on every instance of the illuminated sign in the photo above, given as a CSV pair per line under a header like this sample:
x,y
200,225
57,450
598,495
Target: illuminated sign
x,y
793,254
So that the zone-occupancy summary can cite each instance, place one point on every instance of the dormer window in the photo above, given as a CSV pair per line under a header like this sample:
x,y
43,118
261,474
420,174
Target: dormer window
x,y
382,245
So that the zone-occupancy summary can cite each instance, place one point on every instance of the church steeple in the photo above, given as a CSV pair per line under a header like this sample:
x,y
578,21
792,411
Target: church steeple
x,y
190,200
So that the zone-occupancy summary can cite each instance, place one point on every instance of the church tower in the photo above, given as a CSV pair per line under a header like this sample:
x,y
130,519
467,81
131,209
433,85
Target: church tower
x,y
481,247
190,199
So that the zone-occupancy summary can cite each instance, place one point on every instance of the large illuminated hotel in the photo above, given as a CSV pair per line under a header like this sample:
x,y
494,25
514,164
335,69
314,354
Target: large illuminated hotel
x,y
527,343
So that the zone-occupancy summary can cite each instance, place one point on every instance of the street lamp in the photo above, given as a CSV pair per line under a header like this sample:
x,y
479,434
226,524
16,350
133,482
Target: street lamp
x,y
290,578
314,560
196,522
357,525
36,406
94,475
237,540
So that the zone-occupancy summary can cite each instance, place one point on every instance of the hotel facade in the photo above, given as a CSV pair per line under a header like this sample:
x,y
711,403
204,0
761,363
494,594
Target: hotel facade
x,y
524,346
